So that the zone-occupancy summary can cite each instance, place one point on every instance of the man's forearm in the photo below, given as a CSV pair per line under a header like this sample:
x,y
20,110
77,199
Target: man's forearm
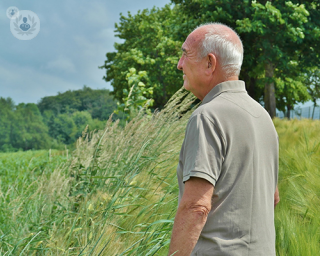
x,y
187,227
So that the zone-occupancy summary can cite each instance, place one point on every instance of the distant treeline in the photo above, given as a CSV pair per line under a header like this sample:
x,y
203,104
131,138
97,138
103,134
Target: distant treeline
x,y
55,121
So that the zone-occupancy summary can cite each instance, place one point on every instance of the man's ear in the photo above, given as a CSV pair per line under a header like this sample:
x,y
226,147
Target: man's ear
x,y
211,63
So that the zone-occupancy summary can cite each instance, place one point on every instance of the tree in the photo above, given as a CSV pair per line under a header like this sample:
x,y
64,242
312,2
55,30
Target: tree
x,y
67,128
99,103
81,120
312,80
277,36
138,97
148,47
28,129
25,127
21,127
6,115
62,128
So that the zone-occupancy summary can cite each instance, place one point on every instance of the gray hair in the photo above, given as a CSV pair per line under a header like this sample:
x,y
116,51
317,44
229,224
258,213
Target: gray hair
x,y
229,53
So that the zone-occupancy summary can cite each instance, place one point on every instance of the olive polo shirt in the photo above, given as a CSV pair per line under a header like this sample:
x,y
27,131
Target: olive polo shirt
x,y
231,142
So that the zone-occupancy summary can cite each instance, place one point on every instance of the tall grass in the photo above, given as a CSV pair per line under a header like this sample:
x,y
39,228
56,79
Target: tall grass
x,y
298,213
24,207
117,193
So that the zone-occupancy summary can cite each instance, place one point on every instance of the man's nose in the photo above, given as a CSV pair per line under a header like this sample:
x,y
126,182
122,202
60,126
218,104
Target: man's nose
x,y
179,66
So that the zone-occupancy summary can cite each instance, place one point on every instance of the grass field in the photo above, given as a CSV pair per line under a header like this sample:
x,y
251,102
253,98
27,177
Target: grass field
x,y
297,216
116,194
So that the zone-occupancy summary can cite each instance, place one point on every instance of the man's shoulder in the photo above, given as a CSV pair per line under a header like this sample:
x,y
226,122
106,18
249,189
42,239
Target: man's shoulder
x,y
213,108
231,103
201,112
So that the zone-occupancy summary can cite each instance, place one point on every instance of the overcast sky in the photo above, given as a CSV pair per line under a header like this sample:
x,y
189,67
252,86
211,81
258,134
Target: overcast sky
x,y
74,37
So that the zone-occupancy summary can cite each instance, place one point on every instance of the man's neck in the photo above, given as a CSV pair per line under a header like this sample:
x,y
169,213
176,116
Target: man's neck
x,y
209,88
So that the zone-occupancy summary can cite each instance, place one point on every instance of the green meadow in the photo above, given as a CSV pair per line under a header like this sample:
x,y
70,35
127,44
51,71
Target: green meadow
x,y
116,193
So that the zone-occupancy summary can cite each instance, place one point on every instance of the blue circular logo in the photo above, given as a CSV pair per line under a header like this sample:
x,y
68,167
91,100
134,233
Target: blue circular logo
x,y
12,12
26,25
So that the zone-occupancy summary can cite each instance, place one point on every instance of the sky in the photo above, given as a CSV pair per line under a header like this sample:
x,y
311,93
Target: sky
x,y
72,42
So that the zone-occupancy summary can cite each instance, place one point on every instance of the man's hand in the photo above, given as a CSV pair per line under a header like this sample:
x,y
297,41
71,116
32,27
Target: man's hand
x,y
191,216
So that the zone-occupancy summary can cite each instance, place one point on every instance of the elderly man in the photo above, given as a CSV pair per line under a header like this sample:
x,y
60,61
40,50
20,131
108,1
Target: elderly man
x,y
228,165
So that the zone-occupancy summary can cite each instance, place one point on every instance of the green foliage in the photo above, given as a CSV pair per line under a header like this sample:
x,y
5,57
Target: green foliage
x,y
30,131
148,46
281,35
139,97
277,32
62,128
59,122
312,80
98,103
116,194
22,127
6,115
67,128
295,88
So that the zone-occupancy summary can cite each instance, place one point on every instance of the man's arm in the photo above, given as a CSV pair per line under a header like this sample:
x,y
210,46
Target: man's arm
x,y
276,197
191,216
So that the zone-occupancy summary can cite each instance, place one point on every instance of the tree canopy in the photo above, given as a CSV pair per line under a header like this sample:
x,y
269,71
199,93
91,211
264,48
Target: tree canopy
x,y
149,46
99,103
55,122
280,38
21,126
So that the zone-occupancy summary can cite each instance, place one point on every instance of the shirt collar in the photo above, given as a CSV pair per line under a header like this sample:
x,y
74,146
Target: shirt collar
x,y
228,86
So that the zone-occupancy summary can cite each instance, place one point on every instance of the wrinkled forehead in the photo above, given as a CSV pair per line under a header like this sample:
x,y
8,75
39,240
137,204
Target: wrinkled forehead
x,y
193,40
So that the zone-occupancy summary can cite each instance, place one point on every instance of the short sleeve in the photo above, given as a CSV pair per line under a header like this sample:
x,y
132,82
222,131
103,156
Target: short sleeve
x,y
202,154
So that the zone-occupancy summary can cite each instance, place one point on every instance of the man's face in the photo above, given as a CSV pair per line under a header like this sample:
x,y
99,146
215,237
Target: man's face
x,y
191,66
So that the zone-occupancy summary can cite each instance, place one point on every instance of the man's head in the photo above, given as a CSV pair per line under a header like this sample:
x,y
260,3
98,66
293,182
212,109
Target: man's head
x,y
212,54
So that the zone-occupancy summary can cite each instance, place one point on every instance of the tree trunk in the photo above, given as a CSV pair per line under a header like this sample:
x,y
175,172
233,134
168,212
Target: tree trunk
x,y
314,108
289,108
269,91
